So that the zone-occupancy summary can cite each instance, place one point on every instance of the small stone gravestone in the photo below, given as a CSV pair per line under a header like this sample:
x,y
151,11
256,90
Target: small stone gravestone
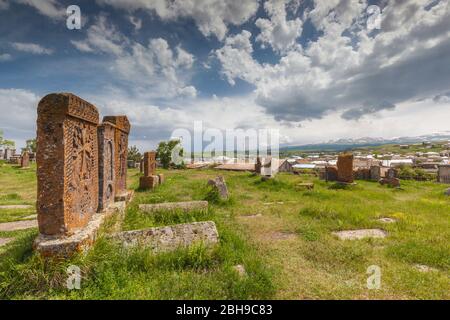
x,y
221,187
122,129
25,160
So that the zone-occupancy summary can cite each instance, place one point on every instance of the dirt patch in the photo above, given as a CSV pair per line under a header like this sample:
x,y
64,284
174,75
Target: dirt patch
x,y
360,234
250,216
18,225
281,235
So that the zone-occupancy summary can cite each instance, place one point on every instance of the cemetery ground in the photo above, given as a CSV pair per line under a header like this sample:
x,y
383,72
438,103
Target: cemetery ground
x,y
280,234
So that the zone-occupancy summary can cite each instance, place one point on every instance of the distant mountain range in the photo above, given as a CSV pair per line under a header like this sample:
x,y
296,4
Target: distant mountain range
x,y
345,144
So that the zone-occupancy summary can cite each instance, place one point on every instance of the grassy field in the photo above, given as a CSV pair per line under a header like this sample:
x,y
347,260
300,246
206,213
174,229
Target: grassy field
x,y
281,235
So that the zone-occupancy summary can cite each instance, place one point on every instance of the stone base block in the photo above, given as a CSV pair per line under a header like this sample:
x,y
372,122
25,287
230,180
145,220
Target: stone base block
x,y
126,197
81,240
149,182
392,182
305,186
171,237
161,178
173,206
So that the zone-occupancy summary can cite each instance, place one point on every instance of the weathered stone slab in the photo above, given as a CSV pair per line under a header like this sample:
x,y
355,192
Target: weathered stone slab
x,y
443,173
5,241
447,192
25,160
219,184
387,220
126,197
391,173
424,268
375,173
106,175
360,234
122,129
79,241
392,182
172,206
67,163
331,173
171,237
305,186
161,178
150,182
345,168
18,225
15,206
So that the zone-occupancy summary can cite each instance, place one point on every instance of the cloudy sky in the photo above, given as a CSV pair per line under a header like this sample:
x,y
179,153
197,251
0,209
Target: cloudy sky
x,y
314,69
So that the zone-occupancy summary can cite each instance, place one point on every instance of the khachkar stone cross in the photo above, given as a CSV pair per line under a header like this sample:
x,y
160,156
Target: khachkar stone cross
x,y
345,168
121,132
67,164
150,180
106,176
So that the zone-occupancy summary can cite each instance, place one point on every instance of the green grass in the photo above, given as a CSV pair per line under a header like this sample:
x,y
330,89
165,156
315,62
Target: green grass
x,y
288,250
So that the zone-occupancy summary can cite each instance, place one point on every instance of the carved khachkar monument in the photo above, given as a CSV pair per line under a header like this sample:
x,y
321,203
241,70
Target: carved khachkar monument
x,y
345,168
149,163
67,163
150,180
80,167
106,177
122,129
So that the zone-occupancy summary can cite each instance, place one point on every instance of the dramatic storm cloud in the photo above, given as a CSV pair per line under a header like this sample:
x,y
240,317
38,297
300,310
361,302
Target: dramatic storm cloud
x,y
316,70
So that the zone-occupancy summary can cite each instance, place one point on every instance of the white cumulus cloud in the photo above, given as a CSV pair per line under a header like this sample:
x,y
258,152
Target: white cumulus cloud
x,y
32,48
212,17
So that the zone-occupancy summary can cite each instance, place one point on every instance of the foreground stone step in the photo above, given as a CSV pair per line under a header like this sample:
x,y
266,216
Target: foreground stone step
x,y
16,206
18,225
5,241
386,220
360,234
81,240
170,238
172,206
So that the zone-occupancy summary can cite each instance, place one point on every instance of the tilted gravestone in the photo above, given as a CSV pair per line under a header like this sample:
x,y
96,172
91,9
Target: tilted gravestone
x,y
219,184
122,129
25,160
345,168
67,163
106,175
